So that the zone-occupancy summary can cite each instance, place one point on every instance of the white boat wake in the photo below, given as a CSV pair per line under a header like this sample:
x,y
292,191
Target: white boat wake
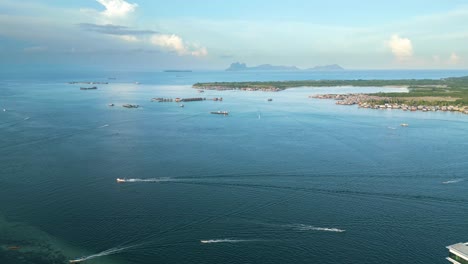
x,y
224,240
102,254
302,227
146,180
453,181
103,126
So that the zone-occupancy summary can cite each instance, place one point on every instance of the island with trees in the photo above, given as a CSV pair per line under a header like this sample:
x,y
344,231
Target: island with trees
x,y
446,94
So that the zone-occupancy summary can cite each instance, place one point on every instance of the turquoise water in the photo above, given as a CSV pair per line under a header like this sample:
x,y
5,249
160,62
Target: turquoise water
x,y
295,180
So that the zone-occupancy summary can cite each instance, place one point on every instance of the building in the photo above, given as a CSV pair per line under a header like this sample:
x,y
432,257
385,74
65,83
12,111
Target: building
x,y
458,253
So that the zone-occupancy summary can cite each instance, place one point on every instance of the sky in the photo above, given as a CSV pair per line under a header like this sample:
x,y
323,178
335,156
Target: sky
x,y
212,34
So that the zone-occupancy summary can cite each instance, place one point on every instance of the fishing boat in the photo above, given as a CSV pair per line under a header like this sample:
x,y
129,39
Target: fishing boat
x,y
404,125
119,180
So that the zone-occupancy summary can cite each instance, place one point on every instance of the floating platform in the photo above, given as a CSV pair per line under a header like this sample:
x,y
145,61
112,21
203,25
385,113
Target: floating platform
x,y
130,105
88,88
220,113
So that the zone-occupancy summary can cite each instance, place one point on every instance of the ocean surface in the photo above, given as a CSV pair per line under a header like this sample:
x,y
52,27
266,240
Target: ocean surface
x,y
295,180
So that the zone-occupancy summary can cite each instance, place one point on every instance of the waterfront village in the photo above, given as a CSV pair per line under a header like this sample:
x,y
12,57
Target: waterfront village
x,y
373,102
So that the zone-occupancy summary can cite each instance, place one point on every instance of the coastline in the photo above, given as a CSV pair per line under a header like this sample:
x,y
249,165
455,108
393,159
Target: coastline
x,y
445,94
377,102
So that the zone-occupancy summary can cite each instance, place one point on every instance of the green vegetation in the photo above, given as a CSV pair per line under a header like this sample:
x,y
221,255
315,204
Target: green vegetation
x,y
448,91
319,83
453,92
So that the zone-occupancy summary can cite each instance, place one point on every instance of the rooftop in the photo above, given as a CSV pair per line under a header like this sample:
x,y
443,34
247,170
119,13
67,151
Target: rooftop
x,y
461,249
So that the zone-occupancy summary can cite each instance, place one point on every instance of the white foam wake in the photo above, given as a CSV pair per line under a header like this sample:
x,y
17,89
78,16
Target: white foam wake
x,y
302,227
224,240
103,126
452,181
149,180
103,253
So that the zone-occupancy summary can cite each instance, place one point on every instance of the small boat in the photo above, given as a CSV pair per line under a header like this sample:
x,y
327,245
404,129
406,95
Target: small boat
x,y
201,91
88,88
181,105
111,104
269,100
404,125
119,180
75,261
220,113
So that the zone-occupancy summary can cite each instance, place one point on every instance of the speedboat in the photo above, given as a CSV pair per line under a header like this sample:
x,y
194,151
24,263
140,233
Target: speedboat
x,y
119,180
75,261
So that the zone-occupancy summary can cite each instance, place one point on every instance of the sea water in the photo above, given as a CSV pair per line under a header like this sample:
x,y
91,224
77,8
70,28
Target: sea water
x,y
294,180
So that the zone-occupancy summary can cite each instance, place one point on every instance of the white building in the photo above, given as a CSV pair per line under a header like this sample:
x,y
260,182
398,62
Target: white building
x,y
458,253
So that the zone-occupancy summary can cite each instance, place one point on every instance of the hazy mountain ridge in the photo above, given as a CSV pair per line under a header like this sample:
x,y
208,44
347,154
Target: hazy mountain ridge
x,y
238,66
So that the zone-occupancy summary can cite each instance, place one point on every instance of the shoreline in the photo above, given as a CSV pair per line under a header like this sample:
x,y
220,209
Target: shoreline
x,y
445,94
378,102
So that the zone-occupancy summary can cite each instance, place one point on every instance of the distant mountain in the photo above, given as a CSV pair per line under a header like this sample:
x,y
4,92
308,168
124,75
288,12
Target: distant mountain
x,y
264,67
332,67
237,66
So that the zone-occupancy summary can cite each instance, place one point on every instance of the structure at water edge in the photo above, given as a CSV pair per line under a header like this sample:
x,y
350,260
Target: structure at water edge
x,y
458,253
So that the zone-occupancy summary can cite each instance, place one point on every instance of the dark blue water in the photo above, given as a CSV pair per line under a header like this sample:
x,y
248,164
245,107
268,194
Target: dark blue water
x,y
295,180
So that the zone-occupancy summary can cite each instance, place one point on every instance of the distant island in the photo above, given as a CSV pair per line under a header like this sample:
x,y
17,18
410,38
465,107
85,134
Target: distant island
x,y
332,67
177,70
237,66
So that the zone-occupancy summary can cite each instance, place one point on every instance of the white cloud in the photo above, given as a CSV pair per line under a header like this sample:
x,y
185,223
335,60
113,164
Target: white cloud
x,y
402,48
128,38
176,44
454,59
201,52
170,42
117,8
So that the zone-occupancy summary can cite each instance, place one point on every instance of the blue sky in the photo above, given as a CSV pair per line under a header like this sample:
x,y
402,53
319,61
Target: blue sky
x,y
210,34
